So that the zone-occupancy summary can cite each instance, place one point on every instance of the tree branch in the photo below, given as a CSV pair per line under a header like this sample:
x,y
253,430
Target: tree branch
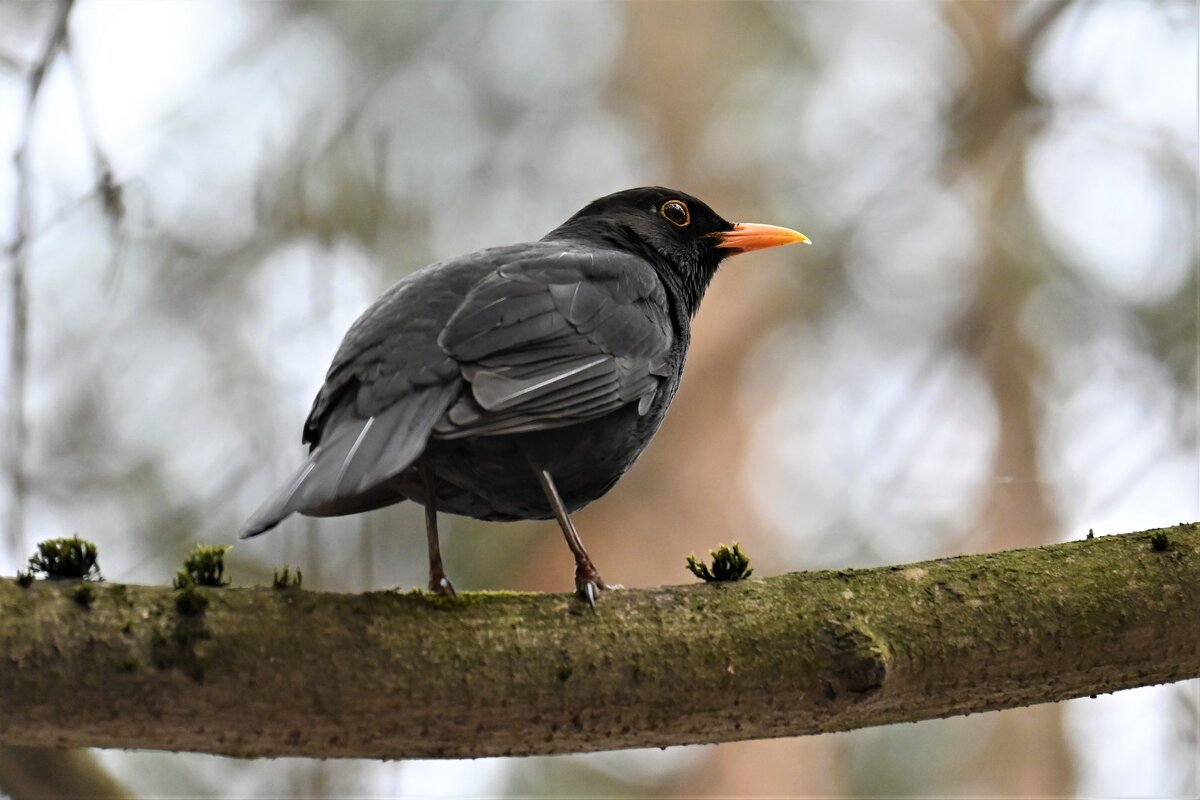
x,y
267,672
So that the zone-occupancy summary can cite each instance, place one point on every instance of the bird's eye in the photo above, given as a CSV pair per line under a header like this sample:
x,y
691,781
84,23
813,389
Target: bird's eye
x,y
676,213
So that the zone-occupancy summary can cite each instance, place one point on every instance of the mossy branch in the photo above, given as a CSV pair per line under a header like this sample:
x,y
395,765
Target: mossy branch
x,y
288,672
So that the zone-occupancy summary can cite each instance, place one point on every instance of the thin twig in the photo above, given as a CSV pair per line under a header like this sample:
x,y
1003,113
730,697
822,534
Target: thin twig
x,y
1031,36
18,251
109,191
11,63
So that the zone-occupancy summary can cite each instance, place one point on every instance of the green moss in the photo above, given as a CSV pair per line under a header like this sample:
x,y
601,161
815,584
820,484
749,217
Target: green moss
x,y
66,558
160,652
436,600
189,600
85,595
204,566
286,579
729,564
1159,541
176,649
458,600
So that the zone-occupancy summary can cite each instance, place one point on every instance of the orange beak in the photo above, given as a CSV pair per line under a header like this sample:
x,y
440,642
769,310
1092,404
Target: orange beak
x,y
747,236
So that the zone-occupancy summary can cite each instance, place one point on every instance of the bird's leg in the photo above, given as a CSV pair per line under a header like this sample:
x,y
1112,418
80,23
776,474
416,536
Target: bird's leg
x,y
587,579
438,582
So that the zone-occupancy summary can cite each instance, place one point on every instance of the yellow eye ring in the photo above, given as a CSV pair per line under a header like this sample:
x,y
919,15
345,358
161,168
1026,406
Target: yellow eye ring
x,y
675,212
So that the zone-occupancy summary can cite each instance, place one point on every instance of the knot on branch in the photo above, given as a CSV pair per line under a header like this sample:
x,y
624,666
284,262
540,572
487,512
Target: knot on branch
x,y
858,664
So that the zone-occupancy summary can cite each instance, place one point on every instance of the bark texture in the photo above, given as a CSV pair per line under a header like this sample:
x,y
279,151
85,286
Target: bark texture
x,y
265,672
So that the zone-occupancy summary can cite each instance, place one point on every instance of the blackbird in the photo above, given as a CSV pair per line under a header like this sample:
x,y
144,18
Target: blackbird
x,y
517,382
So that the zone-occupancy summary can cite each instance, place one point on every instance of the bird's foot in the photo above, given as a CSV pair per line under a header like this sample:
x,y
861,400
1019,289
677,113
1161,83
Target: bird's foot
x,y
589,584
441,585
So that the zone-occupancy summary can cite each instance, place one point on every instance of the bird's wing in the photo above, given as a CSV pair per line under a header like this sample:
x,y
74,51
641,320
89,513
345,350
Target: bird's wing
x,y
388,385
554,339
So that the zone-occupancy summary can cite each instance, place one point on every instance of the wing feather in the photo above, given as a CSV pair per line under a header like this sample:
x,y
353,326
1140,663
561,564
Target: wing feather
x,y
555,340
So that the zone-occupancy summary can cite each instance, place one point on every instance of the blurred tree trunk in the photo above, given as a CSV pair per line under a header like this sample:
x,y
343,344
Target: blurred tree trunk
x,y
674,44
49,773
997,117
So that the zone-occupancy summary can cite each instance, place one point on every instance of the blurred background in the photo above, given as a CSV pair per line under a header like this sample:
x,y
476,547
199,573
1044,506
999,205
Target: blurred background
x,y
992,342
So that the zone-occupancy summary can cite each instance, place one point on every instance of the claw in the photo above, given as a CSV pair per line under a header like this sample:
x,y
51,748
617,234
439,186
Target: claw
x,y
588,591
442,586
589,585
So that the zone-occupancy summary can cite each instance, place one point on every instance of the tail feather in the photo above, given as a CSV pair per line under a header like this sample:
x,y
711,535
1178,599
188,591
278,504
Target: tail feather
x,y
279,505
354,458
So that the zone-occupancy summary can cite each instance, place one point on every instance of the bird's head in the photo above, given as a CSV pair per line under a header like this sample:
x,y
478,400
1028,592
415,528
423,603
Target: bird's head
x,y
679,234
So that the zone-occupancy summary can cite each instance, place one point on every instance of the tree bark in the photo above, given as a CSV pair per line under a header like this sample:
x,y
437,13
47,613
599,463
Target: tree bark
x,y
267,672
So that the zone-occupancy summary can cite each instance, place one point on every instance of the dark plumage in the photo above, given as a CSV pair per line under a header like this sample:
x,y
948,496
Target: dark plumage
x,y
518,382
